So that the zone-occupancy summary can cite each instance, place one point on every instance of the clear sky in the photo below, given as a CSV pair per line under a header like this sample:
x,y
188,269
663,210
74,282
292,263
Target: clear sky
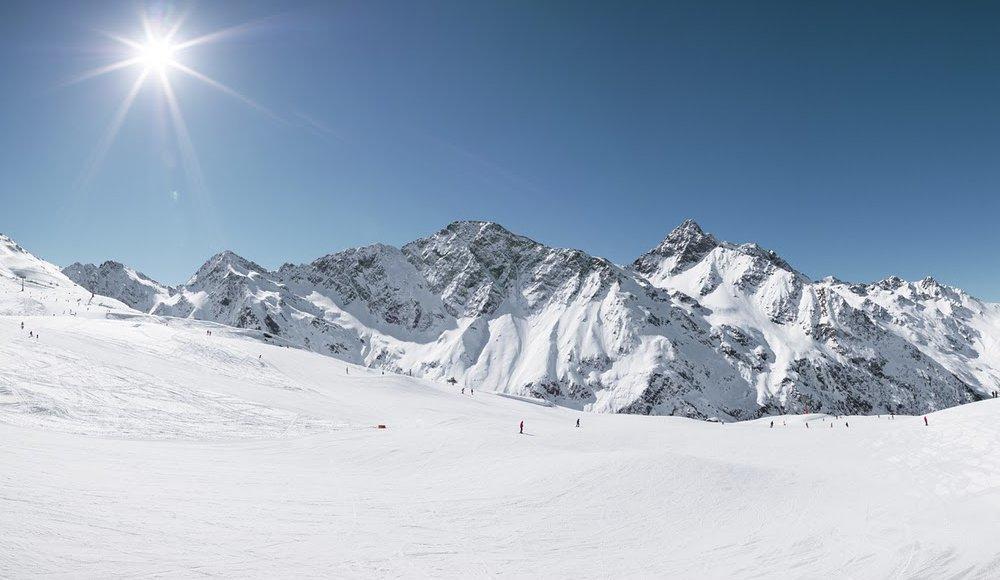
x,y
858,139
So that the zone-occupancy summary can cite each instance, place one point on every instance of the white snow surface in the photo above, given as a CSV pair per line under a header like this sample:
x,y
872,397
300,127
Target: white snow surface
x,y
138,445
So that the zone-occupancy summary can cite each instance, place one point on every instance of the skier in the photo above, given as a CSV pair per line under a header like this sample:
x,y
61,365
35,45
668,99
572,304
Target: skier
x,y
578,422
807,425
472,391
463,390
22,325
772,424
925,421
522,427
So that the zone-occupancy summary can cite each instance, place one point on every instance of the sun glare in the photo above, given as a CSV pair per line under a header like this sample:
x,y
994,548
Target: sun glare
x,y
156,54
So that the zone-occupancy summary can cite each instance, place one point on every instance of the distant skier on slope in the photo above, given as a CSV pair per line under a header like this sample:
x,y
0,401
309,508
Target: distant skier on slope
x,y
772,424
578,422
925,421
522,427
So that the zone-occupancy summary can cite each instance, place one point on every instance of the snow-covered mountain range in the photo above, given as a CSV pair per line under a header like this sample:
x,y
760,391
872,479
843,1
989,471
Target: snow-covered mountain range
x,y
696,326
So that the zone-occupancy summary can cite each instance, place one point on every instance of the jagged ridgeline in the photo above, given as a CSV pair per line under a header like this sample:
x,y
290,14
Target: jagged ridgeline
x,y
696,327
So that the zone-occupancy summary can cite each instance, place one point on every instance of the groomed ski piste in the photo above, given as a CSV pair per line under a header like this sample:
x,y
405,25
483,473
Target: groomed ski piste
x,y
141,446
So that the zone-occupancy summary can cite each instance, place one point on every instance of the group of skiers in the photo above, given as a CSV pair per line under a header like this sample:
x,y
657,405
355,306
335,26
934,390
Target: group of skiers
x,y
996,394
846,423
31,333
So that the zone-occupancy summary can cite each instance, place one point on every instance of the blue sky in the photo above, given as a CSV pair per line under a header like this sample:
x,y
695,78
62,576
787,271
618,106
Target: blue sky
x,y
858,139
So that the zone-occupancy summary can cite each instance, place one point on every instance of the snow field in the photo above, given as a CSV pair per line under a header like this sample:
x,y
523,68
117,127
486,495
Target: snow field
x,y
162,451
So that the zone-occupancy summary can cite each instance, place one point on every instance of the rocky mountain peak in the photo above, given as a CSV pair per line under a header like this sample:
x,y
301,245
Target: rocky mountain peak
x,y
686,244
478,234
225,264
687,229
931,288
770,256
890,283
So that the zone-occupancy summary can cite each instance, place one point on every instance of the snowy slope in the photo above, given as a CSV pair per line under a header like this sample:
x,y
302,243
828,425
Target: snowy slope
x,y
696,327
138,445
33,287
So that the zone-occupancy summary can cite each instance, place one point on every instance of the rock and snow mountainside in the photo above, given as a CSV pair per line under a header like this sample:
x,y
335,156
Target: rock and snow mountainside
x,y
116,279
696,327
853,348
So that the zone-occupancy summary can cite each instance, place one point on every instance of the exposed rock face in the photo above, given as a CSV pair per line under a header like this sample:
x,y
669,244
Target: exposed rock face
x,y
375,283
696,326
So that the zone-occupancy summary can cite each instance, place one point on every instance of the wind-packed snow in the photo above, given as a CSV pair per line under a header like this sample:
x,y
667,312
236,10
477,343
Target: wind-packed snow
x,y
140,445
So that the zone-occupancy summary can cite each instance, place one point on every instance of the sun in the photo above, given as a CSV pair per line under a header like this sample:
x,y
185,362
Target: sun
x,y
157,54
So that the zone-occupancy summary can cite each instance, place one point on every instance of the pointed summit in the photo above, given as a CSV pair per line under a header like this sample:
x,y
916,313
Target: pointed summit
x,y
224,264
687,227
685,244
687,234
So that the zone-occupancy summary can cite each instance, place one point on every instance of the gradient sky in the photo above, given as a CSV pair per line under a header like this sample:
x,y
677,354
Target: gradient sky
x,y
858,139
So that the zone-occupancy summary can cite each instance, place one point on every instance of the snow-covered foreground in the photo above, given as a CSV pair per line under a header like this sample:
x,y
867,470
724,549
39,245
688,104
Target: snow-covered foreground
x,y
142,446
145,447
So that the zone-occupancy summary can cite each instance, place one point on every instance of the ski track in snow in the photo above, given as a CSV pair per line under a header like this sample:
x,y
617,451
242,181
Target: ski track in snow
x,y
140,446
